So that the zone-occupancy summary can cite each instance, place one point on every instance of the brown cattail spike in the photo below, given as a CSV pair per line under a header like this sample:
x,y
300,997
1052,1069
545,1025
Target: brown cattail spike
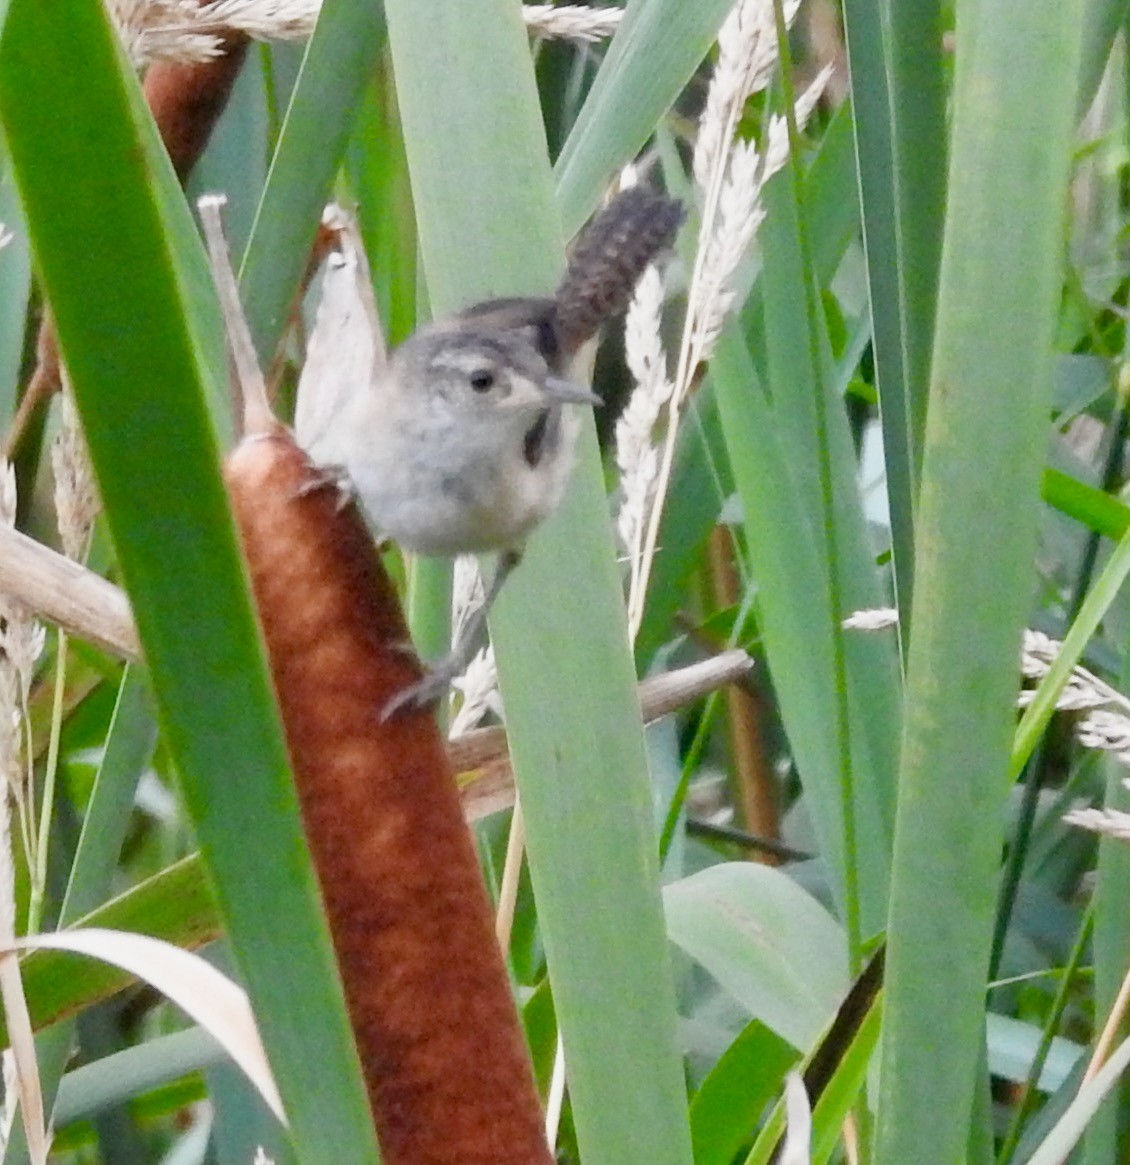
x,y
442,1049
608,260
187,99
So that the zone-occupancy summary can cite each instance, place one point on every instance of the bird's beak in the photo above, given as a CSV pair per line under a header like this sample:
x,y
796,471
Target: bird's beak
x,y
558,389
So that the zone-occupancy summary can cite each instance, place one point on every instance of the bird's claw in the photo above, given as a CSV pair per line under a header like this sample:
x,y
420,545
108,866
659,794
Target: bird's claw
x,y
333,477
424,693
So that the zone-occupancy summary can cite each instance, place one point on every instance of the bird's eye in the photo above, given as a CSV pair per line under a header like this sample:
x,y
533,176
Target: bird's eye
x,y
482,380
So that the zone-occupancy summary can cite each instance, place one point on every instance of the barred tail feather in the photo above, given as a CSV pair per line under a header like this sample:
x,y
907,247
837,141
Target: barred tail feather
x,y
608,260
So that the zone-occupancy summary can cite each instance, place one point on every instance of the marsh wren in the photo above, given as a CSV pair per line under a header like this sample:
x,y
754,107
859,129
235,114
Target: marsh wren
x,y
463,442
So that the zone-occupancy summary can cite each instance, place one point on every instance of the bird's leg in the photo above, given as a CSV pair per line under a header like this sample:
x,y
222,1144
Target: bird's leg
x,y
439,675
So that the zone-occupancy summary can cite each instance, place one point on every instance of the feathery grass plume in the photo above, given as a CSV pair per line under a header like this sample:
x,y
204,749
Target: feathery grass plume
x,y
22,639
1083,690
737,213
637,457
1110,822
76,496
185,31
1107,724
729,173
76,505
478,691
576,22
747,56
1106,731
21,643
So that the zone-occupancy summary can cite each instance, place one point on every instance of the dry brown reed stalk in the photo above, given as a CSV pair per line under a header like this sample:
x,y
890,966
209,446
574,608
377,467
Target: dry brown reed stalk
x,y
44,383
53,587
746,714
439,1039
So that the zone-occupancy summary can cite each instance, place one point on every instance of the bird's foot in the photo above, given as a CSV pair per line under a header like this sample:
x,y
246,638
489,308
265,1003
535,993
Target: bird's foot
x,y
334,477
428,691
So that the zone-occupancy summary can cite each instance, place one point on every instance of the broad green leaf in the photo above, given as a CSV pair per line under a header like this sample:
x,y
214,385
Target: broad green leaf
x,y
131,305
771,945
1013,122
491,228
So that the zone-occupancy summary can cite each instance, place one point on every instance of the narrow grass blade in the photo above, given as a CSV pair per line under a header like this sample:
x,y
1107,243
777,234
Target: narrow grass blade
x,y
15,284
129,746
1097,510
860,707
378,173
899,91
657,48
1104,19
788,565
115,1079
340,59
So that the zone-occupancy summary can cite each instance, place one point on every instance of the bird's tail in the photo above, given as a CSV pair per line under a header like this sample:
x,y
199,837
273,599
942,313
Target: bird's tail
x,y
611,254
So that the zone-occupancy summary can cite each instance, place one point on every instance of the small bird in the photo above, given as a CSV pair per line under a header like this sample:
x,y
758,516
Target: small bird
x,y
462,442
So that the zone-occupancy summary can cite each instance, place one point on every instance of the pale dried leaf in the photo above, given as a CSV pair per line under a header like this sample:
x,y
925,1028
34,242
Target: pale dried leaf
x,y
797,1148
346,349
76,496
16,1016
209,997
